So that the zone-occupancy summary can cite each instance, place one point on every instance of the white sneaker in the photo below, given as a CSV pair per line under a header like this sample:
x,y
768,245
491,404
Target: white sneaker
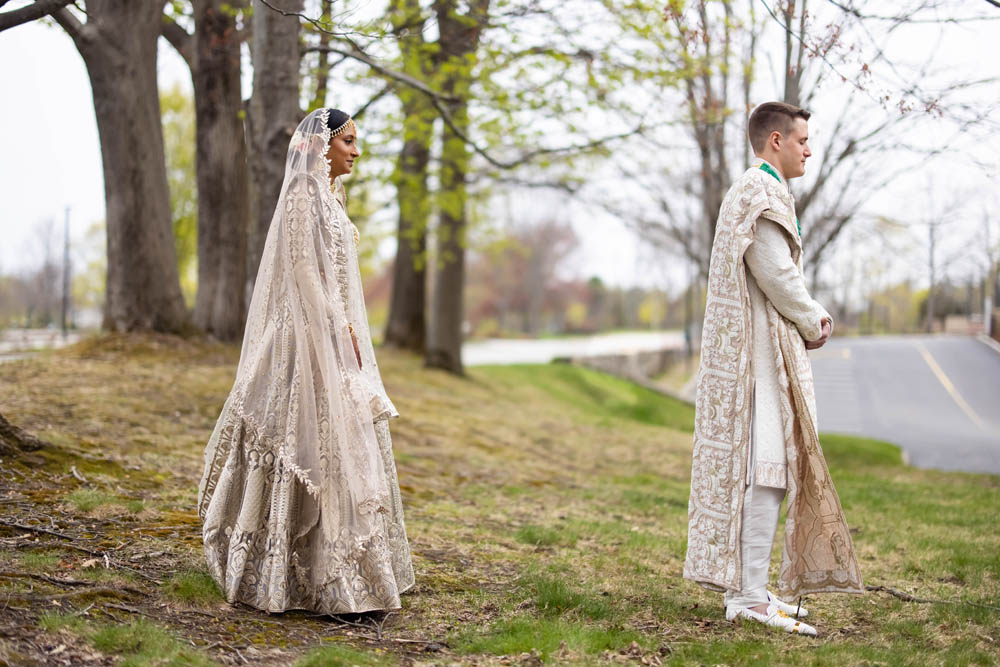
x,y
774,618
789,609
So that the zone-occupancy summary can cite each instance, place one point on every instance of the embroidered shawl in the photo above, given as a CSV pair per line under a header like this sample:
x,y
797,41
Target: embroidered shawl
x,y
818,554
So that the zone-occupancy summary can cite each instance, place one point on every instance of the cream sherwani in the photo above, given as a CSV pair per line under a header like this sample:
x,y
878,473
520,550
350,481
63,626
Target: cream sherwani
x,y
755,415
773,276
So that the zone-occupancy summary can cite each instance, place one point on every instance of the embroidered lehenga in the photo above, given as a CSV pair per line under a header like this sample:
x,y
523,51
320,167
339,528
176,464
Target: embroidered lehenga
x,y
299,497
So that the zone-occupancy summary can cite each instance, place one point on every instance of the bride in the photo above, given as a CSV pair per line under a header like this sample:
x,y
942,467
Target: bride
x,y
299,497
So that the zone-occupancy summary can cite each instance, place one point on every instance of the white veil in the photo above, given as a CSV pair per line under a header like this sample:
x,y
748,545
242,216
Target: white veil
x,y
299,390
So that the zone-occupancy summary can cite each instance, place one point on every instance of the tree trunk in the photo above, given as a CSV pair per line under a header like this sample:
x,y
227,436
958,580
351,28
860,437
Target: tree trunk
x,y
458,42
223,198
119,44
14,440
407,328
274,114
444,347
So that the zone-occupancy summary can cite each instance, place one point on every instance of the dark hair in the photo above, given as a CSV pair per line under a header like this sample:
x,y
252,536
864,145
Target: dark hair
x,y
335,118
772,117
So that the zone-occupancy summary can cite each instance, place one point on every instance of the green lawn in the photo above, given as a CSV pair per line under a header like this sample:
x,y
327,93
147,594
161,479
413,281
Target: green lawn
x,y
546,509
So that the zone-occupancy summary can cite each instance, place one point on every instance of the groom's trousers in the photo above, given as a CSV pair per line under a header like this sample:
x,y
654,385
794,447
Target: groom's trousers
x,y
761,506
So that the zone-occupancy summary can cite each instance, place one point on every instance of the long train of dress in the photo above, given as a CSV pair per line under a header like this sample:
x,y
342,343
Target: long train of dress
x,y
268,547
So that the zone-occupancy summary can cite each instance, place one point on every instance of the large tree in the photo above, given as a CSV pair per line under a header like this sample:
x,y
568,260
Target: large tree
x,y
118,43
458,42
407,327
274,112
213,54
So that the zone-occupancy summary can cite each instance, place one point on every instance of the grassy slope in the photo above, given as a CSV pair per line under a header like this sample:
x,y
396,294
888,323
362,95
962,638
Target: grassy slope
x,y
546,508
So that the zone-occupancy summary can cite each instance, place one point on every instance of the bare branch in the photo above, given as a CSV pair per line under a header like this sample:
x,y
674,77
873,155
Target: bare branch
x,y
179,38
72,25
406,79
813,51
36,10
908,18
566,187
319,25
375,98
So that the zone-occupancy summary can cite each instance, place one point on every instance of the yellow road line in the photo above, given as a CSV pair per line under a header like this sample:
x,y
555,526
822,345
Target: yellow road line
x,y
949,387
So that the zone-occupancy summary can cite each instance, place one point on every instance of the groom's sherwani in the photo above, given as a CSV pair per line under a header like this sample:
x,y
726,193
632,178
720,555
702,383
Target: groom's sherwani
x,y
755,419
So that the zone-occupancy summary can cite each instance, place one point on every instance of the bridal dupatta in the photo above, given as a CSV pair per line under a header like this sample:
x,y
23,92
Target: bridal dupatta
x,y
299,502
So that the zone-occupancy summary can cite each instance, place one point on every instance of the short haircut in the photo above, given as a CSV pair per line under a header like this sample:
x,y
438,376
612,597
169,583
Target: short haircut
x,y
770,117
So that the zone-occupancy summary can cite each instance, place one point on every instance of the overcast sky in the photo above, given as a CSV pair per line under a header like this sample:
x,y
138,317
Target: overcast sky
x,y
50,157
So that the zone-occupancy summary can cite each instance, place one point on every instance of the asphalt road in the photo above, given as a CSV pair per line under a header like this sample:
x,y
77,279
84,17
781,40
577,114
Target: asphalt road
x,y
938,397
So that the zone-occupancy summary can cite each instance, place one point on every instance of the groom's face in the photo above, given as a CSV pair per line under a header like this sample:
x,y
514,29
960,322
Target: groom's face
x,y
793,149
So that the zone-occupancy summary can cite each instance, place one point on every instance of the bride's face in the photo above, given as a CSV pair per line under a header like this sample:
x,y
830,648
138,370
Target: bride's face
x,y
342,153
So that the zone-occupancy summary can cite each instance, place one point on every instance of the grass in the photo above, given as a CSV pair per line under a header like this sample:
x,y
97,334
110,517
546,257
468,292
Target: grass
x,y
546,510
549,639
85,500
143,643
193,586
39,561
595,396
545,536
137,643
345,656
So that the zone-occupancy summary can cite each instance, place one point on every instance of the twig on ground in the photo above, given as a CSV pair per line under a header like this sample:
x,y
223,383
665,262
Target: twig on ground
x,y
103,555
43,577
122,607
76,473
58,545
36,529
381,623
344,621
224,645
906,597
398,640
92,592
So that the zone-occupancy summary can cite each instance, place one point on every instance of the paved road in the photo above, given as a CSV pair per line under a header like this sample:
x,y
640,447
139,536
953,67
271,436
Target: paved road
x,y
542,351
938,397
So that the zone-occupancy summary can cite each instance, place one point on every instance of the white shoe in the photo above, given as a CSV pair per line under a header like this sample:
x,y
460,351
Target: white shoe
x,y
789,609
774,618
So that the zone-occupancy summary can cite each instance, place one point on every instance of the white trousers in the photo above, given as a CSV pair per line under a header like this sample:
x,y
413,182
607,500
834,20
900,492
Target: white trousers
x,y
761,506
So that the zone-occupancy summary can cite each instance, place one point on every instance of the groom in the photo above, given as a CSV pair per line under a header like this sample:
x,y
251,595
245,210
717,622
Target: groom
x,y
755,418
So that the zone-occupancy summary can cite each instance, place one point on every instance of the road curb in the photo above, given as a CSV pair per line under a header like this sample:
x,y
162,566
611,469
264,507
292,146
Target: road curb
x,y
989,342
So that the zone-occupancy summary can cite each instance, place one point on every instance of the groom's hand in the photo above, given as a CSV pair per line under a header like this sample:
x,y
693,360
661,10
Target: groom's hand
x,y
825,331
